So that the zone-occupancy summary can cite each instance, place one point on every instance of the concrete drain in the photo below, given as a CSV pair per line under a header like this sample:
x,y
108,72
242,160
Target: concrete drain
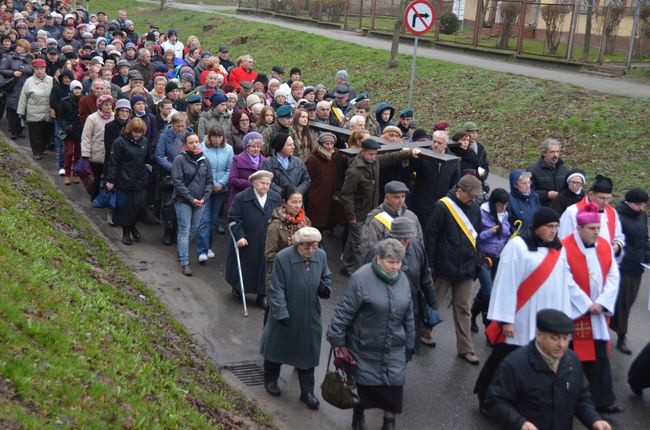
x,y
250,373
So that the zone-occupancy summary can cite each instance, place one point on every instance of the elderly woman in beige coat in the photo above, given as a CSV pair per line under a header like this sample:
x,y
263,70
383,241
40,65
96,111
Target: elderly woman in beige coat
x,y
92,139
34,107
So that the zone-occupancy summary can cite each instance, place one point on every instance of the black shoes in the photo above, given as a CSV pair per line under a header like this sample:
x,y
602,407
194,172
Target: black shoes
x,y
168,237
636,390
135,233
272,388
389,424
358,421
611,409
310,400
126,237
345,272
622,346
187,271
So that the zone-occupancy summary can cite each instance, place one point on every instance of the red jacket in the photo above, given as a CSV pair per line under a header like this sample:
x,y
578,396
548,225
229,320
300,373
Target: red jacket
x,y
239,74
87,106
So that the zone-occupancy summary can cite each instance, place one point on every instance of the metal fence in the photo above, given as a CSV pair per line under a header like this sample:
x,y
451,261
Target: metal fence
x,y
579,30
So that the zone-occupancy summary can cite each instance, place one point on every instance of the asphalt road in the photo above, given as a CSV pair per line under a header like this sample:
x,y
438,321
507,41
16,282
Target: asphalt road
x,y
438,391
549,72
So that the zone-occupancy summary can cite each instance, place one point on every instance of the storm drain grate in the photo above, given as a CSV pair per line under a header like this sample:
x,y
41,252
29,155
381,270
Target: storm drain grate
x,y
250,373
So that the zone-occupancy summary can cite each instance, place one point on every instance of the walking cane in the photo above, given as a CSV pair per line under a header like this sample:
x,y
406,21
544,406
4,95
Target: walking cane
x,y
241,278
517,224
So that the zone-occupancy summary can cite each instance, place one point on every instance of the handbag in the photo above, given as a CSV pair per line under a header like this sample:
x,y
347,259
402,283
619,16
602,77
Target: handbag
x,y
7,84
165,182
109,199
338,388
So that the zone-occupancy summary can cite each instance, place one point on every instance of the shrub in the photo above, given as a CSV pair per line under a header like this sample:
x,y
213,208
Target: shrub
x,y
449,23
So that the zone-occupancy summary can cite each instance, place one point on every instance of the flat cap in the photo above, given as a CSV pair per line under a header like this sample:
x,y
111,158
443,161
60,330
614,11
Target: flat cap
x,y
554,321
370,144
470,126
471,185
246,84
395,187
307,235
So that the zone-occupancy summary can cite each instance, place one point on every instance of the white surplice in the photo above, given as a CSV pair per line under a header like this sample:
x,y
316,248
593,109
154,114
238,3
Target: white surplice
x,y
559,291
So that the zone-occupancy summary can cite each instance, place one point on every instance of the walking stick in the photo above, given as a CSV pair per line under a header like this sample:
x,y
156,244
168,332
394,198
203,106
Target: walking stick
x,y
241,278
517,224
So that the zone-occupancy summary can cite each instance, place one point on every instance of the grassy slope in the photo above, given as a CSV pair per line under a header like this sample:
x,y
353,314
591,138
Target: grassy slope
x,y
603,134
83,343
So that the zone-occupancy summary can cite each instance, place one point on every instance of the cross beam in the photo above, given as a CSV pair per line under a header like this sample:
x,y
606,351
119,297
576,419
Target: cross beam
x,y
386,146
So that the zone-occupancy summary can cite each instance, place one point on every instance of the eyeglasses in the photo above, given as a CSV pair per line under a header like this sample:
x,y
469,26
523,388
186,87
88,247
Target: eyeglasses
x,y
244,120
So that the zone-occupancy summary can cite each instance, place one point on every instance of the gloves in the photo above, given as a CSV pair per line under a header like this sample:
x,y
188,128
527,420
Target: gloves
x,y
284,322
409,354
323,292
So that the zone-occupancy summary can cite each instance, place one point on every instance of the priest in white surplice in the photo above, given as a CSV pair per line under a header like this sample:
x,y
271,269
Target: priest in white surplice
x,y
533,275
591,260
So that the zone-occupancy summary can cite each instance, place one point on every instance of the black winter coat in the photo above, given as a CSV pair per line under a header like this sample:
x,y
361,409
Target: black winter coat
x,y
68,116
451,255
637,245
526,389
112,130
59,92
126,164
546,178
433,181
564,199
11,64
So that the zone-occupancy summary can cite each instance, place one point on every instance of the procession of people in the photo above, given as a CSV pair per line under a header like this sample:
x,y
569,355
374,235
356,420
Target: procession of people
x,y
202,143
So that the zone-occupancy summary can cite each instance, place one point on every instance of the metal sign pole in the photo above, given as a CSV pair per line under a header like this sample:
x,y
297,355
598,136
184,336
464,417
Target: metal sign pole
x,y
415,56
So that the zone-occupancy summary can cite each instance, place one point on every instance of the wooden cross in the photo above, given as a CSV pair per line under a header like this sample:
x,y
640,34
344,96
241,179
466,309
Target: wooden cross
x,y
583,328
386,146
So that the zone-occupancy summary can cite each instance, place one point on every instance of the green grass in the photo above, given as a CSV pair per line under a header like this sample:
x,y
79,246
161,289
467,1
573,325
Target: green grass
x,y
210,2
83,343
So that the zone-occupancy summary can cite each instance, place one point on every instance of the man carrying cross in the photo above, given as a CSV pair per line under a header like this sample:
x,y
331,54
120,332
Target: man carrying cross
x,y
591,260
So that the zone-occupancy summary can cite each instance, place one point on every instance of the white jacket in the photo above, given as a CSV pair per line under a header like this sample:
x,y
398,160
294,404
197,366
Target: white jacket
x,y
34,102
92,138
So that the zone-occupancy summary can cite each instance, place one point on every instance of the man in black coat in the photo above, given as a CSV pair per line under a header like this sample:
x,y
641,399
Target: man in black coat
x,y
541,385
637,251
549,172
450,239
433,178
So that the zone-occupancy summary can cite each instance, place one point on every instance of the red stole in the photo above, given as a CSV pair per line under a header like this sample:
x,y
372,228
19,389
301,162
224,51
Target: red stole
x,y
611,217
583,337
526,290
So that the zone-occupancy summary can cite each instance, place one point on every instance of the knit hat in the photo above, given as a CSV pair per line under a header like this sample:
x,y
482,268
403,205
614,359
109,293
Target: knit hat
x,y
251,136
543,216
75,84
123,104
602,184
103,99
171,86
273,81
278,141
342,74
136,99
419,134
251,100
392,129
218,98
283,111
326,137
636,195
402,228
589,214
440,125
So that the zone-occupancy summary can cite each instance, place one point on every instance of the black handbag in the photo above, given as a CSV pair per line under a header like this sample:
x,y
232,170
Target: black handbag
x,y
338,388
6,84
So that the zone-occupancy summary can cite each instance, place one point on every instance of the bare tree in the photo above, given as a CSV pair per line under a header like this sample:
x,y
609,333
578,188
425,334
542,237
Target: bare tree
x,y
396,32
163,4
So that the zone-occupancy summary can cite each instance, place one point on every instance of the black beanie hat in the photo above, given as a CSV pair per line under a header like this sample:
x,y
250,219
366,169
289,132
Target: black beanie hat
x,y
278,141
418,134
544,216
636,195
602,184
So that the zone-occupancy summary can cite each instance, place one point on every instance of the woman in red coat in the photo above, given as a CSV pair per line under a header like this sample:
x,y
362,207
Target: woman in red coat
x,y
326,168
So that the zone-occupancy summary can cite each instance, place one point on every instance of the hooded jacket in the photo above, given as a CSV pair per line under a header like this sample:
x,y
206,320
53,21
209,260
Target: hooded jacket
x,y
383,124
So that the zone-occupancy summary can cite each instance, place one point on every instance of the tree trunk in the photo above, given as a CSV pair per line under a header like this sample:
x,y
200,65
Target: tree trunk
x,y
587,44
396,31
163,4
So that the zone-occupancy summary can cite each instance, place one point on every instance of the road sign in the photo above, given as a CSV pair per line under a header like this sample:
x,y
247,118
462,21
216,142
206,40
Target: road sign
x,y
419,17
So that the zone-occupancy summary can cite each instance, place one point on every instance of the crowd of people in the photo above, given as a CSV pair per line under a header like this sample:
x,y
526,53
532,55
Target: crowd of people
x,y
204,144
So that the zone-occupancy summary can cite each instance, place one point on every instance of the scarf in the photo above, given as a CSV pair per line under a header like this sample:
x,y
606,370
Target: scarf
x,y
255,160
384,276
533,242
105,115
140,114
293,223
326,154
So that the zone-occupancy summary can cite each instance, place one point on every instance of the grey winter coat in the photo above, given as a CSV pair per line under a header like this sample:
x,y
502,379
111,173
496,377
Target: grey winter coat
x,y
374,320
190,184
11,63
34,102
293,294
210,119
295,175
374,231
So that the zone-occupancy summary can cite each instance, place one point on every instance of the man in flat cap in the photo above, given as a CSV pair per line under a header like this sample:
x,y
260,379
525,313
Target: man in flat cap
x,y
591,260
450,239
541,385
360,194
610,224
378,222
